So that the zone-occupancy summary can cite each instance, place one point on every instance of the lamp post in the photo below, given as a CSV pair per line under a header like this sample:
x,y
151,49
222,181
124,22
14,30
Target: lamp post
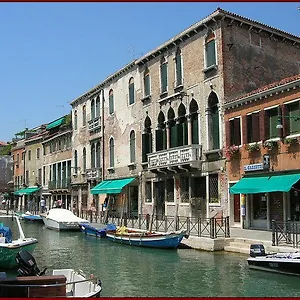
x,y
280,117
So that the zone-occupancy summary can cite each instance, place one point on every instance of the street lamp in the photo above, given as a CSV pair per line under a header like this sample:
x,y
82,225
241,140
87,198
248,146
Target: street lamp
x,y
279,123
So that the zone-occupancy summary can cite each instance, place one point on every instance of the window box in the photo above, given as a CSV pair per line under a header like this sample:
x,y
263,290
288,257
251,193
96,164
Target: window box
x,y
291,141
270,145
231,151
252,147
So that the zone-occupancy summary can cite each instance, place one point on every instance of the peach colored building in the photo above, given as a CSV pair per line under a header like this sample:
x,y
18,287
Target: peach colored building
x,y
263,154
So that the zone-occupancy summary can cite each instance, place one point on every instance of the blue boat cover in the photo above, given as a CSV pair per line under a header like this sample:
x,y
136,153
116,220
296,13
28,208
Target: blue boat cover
x,y
110,227
6,232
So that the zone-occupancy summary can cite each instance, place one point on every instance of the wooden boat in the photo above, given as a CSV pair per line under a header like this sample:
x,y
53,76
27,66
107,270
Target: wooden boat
x,y
62,219
168,240
32,283
96,232
10,247
31,217
285,263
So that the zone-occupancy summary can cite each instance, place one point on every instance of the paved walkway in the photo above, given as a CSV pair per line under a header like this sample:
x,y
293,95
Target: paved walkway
x,y
251,234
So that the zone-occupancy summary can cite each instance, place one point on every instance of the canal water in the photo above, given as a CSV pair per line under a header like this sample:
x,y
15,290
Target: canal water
x,y
133,271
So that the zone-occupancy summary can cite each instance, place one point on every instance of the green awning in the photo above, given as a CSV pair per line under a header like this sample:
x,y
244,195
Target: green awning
x,y
265,184
27,191
55,123
113,186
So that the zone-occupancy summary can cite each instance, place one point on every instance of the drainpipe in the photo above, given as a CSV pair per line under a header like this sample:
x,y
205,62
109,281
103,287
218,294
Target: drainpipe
x,y
102,133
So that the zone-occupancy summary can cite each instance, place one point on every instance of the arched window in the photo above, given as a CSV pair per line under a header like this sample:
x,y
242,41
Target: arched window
x,y
194,121
178,67
181,126
146,139
75,162
97,107
172,128
75,120
93,150
213,121
160,133
132,146
210,50
147,88
111,102
164,75
93,109
83,115
98,162
84,159
131,91
111,153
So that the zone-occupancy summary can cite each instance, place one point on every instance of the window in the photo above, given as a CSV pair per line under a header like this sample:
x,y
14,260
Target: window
x,y
97,107
111,102
178,66
40,176
93,152
253,128
75,119
235,131
111,153
170,189
98,155
132,146
93,109
84,159
29,154
75,162
148,191
84,115
271,123
164,75
147,88
210,50
213,188
194,121
38,153
213,121
131,91
146,139
293,124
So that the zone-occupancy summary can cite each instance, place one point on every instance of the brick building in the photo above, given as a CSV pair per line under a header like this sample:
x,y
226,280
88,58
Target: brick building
x,y
262,134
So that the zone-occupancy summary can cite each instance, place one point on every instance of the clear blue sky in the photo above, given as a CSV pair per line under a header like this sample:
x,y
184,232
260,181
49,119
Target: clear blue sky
x,y
52,53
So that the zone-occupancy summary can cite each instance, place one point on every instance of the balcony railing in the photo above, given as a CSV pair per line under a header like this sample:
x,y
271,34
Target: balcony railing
x,y
175,156
59,184
93,173
94,124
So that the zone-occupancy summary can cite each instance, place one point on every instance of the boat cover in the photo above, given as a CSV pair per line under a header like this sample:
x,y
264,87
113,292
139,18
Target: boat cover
x,y
6,232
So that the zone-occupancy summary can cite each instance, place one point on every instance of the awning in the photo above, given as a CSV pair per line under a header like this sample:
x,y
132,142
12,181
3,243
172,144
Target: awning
x,y
113,186
55,123
27,191
265,184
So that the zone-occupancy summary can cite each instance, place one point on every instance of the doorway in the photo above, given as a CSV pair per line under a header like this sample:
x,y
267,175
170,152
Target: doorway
x,y
236,208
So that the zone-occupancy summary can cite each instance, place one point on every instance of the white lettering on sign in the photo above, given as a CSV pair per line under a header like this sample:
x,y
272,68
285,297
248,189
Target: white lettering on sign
x,y
254,167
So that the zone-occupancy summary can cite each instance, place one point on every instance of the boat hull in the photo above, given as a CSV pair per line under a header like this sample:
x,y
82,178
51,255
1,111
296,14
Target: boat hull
x,y
8,252
164,241
53,224
92,231
284,266
33,218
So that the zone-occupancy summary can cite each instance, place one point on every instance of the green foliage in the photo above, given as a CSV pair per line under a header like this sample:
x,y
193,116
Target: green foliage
x,y
6,150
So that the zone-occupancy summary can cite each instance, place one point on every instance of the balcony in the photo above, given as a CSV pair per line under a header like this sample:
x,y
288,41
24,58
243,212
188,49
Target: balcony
x,y
94,124
93,173
59,184
175,159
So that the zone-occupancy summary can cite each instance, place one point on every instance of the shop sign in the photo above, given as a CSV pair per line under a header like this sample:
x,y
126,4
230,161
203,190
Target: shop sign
x,y
254,167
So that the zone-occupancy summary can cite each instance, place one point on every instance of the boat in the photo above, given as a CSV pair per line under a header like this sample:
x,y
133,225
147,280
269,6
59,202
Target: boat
x,y
281,262
62,219
142,238
10,247
31,282
96,232
31,217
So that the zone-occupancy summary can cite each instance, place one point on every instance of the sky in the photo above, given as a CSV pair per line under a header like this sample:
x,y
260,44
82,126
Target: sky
x,y
51,53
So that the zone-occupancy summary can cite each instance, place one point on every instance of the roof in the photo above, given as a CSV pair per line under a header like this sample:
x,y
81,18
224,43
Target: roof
x,y
3,143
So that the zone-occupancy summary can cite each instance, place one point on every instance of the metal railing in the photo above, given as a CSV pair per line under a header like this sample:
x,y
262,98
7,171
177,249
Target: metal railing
x,y
200,227
286,233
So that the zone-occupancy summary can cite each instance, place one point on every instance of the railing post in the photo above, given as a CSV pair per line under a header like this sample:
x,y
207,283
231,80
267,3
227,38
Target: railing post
x,y
274,241
288,232
188,225
227,228
212,228
147,221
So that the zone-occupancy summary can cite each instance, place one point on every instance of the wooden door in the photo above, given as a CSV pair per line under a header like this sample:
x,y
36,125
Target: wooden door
x,y
237,208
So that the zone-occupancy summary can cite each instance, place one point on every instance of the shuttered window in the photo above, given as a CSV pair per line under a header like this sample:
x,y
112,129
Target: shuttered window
x,y
147,83
83,115
215,128
146,145
195,136
210,53
235,132
178,68
294,111
111,102
273,122
253,132
111,153
164,76
132,147
131,91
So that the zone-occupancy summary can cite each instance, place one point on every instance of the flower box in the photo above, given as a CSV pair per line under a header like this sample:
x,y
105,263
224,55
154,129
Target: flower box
x,y
252,147
231,151
291,141
270,145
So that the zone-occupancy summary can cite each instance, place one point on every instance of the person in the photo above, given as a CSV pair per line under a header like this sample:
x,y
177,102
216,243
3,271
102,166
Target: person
x,y
58,203
43,205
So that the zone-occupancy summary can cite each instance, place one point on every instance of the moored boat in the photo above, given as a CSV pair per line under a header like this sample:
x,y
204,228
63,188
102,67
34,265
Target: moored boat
x,y
167,240
10,246
31,282
96,232
62,219
31,217
285,262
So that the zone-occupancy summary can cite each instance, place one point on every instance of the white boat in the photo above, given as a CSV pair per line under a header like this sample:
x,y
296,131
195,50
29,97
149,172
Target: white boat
x,y
282,262
10,246
31,282
62,219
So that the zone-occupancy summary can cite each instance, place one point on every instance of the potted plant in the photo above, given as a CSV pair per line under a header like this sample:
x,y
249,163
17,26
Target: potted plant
x,y
231,151
270,145
291,141
252,147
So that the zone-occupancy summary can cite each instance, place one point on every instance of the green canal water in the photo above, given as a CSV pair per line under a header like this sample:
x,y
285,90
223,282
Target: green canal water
x,y
133,271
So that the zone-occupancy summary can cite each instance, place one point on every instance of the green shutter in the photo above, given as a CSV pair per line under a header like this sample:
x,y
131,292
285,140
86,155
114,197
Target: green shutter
x,y
159,140
185,133
178,69
173,137
210,54
111,104
147,85
294,112
273,117
164,77
215,130
131,93
195,136
179,128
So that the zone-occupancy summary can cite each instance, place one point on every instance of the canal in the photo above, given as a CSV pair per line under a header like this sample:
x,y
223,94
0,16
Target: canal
x,y
133,271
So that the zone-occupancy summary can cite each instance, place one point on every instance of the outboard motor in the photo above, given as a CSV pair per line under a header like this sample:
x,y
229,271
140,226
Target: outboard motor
x,y
27,264
257,250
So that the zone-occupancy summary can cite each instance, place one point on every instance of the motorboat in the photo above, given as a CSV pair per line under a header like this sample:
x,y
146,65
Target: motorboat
x,y
31,282
28,216
10,246
87,229
143,238
281,262
62,219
